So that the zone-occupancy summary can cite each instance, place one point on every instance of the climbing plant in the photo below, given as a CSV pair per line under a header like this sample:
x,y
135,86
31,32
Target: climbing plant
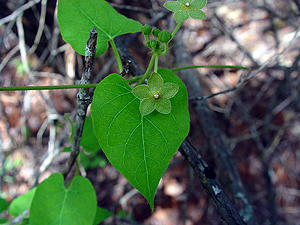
x,y
139,127
138,123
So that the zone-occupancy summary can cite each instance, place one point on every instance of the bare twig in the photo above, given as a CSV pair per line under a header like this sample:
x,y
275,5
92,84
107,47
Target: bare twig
x,y
41,27
126,68
211,185
52,151
8,57
18,11
22,43
83,99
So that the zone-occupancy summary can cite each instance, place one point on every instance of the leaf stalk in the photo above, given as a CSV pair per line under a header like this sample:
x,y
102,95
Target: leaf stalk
x,y
113,45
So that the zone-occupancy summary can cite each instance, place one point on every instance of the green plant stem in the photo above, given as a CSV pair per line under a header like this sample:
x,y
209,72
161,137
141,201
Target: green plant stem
x,y
175,30
153,59
146,38
155,62
113,45
72,127
133,80
28,88
148,70
165,49
209,66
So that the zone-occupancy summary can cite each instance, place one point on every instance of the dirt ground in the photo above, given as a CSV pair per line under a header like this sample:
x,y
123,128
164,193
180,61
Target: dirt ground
x,y
257,110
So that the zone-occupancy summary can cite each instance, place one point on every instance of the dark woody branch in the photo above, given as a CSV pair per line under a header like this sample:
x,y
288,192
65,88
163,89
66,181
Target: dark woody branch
x,y
211,185
84,99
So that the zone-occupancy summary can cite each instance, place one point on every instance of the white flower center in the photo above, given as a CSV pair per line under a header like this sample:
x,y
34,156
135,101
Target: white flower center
x,y
156,96
187,4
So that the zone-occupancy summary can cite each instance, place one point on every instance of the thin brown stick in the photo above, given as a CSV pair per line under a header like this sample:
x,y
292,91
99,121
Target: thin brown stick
x,y
83,99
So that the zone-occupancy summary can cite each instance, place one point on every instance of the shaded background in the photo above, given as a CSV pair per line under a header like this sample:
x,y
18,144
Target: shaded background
x,y
258,114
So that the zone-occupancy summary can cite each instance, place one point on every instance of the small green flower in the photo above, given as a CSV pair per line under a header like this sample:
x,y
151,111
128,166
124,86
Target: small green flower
x,y
155,95
186,8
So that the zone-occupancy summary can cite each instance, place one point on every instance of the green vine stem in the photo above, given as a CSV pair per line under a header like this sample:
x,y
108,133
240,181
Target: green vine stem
x,y
146,38
155,62
154,58
164,52
113,45
173,34
148,69
175,30
209,66
72,126
29,88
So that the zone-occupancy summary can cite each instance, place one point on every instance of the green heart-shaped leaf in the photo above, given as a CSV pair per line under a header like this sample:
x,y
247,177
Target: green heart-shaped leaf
x,y
88,139
3,205
21,203
140,147
102,214
77,17
55,204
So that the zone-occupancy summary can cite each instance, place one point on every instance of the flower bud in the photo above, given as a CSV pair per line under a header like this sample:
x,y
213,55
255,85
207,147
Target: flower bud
x,y
155,32
146,29
153,44
164,36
